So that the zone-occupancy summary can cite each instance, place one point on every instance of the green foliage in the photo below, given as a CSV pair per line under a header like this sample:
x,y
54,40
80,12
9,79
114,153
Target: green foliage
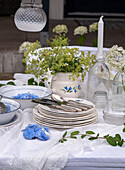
x,y
81,39
31,49
59,59
95,42
9,83
113,141
31,81
58,41
90,132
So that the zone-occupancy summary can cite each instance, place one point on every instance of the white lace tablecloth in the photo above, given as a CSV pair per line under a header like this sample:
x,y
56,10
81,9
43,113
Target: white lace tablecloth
x,y
17,153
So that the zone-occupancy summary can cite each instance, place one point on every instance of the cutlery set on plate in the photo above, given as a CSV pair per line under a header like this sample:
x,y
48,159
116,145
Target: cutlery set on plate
x,y
64,113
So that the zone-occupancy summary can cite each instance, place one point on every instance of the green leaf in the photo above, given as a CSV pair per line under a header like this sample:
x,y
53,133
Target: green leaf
x,y
97,135
64,135
111,141
120,143
123,129
64,139
106,136
74,137
81,39
92,138
82,136
74,133
41,83
31,81
11,83
90,132
2,85
60,140
117,137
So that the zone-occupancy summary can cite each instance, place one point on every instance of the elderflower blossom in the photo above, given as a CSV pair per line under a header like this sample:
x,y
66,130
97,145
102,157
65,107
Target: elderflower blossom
x,y
93,27
115,56
80,30
24,47
60,29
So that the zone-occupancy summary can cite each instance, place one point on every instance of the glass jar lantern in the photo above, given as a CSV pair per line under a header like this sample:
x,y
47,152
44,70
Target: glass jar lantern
x,y
98,84
118,92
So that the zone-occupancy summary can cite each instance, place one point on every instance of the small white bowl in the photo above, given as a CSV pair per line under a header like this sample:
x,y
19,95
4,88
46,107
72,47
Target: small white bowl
x,y
7,117
9,91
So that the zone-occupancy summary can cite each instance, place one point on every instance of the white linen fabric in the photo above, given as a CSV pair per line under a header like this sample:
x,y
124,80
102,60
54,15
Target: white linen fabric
x,y
17,153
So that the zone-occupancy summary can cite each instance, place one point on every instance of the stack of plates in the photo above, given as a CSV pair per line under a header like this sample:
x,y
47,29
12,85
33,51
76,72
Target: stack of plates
x,y
57,118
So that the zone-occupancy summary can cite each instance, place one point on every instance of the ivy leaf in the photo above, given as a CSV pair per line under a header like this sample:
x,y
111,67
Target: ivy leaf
x,y
64,135
117,137
111,141
74,133
106,136
82,136
120,143
90,132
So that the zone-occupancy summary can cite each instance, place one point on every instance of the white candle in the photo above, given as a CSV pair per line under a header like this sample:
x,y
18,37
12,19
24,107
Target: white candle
x,y
100,38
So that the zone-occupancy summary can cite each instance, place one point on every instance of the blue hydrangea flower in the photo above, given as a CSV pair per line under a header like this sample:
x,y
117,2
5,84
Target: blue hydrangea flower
x,y
66,88
70,88
40,134
33,131
28,133
26,96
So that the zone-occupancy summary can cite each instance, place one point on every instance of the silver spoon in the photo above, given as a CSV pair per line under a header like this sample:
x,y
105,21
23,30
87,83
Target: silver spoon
x,y
3,108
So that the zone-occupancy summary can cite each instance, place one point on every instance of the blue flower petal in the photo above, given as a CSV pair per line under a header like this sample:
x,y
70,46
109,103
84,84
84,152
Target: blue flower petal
x,y
35,131
29,134
41,135
75,90
70,88
78,86
66,88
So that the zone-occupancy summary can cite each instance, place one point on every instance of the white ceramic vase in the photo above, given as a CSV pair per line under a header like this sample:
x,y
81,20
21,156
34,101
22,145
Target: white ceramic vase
x,y
64,87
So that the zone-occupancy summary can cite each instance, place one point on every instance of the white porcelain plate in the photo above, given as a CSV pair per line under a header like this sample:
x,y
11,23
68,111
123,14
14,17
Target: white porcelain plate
x,y
42,115
64,126
61,113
